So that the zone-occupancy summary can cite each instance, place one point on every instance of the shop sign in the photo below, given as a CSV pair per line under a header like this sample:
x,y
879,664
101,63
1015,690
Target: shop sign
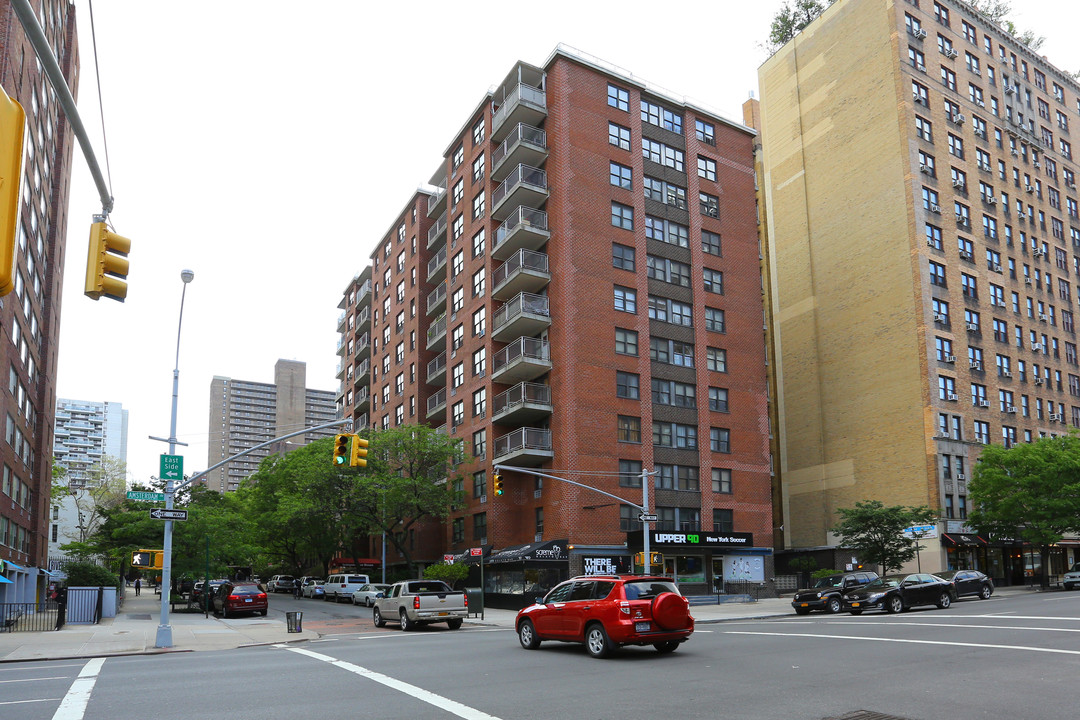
x,y
607,565
957,527
702,540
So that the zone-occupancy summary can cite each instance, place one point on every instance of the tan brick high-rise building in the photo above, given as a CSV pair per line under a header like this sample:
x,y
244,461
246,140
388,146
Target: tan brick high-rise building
x,y
924,243
579,293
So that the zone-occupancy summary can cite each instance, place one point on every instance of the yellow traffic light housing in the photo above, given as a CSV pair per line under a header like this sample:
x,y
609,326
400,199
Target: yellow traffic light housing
x,y
106,263
359,452
341,449
13,132
497,483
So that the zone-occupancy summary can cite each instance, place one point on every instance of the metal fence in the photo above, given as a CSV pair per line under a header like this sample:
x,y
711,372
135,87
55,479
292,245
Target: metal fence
x,y
28,617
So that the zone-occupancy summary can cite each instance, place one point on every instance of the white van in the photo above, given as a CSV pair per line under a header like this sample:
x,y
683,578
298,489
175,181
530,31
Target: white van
x,y
341,586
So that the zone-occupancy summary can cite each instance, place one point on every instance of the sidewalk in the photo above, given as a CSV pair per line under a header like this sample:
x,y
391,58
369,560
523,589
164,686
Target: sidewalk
x,y
134,630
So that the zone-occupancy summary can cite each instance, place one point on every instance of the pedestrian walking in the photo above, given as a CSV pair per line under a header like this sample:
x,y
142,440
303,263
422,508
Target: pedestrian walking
x,y
296,588
138,586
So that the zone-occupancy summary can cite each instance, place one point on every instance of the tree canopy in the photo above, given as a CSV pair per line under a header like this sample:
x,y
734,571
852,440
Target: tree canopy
x,y
876,531
792,18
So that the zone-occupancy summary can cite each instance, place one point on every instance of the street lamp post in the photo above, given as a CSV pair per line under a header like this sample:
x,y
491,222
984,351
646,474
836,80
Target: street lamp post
x,y
164,631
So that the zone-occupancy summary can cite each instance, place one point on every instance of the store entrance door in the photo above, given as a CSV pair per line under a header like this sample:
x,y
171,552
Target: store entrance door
x,y
718,574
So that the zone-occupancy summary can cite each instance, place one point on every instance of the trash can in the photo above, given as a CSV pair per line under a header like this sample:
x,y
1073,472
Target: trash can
x,y
476,600
295,621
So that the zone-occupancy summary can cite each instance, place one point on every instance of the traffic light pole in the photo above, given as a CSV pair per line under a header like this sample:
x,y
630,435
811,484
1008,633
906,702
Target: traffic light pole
x,y
643,507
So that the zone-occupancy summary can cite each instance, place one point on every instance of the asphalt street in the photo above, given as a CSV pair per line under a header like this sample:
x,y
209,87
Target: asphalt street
x,y
1008,657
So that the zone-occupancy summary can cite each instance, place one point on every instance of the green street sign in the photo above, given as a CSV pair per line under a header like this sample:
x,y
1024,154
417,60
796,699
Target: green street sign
x,y
172,467
140,495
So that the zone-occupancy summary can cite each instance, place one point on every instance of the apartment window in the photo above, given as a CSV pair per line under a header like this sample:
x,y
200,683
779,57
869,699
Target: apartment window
x,y
946,388
676,394
723,520
619,136
458,376
927,166
479,206
716,359
629,429
459,191
478,132
676,435
920,94
618,98
721,480
705,132
671,352
720,440
457,300
718,399
457,337
478,169
710,204
666,231
479,403
948,78
933,237
627,385
714,281
706,168
975,95
622,257
621,176
622,216
956,146
625,299
669,271
626,342
917,59
937,274
942,14
671,311
714,320
982,432
479,322
982,159
480,526
970,35
479,362
665,192
478,283
924,129
943,348
710,243
458,413
661,117
990,229
629,473
663,154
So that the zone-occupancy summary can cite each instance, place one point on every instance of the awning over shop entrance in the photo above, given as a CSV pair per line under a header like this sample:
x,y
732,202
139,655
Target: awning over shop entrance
x,y
552,550
962,540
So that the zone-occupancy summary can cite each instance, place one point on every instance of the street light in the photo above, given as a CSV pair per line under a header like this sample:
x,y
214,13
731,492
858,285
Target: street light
x,y
164,631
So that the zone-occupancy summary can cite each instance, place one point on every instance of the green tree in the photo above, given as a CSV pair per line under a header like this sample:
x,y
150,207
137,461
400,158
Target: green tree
x,y
82,573
102,489
1030,491
792,18
449,574
876,532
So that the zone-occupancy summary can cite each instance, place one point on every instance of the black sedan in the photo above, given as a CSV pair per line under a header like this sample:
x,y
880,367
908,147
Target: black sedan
x,y
895,593
969,582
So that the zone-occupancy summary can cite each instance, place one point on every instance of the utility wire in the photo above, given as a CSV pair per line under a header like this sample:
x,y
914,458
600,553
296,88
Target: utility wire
x,y
101,107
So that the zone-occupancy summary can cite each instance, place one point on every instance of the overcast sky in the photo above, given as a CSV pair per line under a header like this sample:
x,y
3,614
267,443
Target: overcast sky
x,y
269,145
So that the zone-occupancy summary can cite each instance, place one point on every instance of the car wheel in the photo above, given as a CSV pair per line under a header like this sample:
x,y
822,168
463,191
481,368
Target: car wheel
x,y
454,624
368,602
403,618
1069,586
597,641
527,635
802,611
263,612
666,647
944,601
855,612
985,593
834,606
377,617
894,604
225,613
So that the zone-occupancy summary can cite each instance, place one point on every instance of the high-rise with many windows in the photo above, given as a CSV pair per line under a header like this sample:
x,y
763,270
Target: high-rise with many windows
x,y
30,315
924,244
578,293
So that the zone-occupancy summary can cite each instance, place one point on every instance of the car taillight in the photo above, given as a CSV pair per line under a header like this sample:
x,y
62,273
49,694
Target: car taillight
x,y
624,607
261,596
234,597
416,602
466,600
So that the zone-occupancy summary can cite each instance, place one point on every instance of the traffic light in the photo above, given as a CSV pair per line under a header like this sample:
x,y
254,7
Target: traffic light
x,y
106,263
359,452
497,483
341,449
141,558
656,558
13,133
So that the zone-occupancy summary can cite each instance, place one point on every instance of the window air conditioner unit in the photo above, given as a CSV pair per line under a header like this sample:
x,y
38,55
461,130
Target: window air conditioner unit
x,y
990,199
980,103
997,268
1008,90
1035,163
975,365
1038,381
931,243
958,183
951,54
1030,188
1055,417
1038,253
960,476
1015,153
962,219
1019,215
1027,281
935,209
972,326
939,318
924,169
965,255
950,358
1011,409
952,397
916,97
920,33
1042,317
1006,373
958,118
984,403
1036,347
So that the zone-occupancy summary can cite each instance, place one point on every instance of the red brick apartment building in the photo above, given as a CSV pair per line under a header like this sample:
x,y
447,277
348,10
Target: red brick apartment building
x,y
30,314
578,292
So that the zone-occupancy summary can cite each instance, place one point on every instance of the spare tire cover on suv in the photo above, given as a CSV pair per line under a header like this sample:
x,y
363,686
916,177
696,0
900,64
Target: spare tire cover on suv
x,y
670,611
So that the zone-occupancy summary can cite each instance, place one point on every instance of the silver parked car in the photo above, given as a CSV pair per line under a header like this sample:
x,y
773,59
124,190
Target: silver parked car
x,y
366,594
312,588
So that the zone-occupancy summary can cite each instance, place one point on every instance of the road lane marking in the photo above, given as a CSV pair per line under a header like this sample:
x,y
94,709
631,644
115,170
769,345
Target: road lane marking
x,y
38,667
73,706
977,627
57,677
20,702
451,706
912,642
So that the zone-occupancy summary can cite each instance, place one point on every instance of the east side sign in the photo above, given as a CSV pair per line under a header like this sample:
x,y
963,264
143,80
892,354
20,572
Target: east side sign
x,y
701,539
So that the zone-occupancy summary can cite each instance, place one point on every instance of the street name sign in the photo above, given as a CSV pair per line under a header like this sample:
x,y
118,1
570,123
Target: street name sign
x,y
163,514
140,495
647,517
172,467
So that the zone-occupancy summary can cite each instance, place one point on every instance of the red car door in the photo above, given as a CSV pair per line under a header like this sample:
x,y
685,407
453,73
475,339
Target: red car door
x,y
579,609
548,618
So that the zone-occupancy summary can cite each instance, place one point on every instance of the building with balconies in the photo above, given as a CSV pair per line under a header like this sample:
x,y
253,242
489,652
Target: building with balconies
x,y
568,302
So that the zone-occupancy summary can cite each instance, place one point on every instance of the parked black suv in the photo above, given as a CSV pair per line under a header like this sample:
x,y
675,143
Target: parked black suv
x,y
827,593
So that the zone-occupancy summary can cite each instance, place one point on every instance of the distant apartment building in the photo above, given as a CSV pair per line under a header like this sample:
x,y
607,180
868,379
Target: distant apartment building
x,y
577,292
30,314
244,414
86,433
923,242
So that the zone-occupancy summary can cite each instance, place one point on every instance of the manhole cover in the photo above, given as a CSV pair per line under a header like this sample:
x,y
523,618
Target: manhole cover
x,y
866,715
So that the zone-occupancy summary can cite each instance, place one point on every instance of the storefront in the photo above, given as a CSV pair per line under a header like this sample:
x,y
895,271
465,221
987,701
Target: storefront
x,y
515,576
709,562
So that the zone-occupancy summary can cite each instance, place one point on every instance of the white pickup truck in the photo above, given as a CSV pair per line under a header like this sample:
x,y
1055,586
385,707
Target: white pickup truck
x,y
420,602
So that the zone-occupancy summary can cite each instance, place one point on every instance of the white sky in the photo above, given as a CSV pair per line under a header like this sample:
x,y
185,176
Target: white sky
x,y
268,145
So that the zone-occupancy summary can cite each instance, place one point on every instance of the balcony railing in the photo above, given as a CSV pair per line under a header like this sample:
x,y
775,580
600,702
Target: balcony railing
x,y
524,185
436,367
364,290
526,309
436,262
523,359
437,232
436,298
363,344
521,396
525,144
523,103
436,330
527,441
525,227
436,202
436,401
523,262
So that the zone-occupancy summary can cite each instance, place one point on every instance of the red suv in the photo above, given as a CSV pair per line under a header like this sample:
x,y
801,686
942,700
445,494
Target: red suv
x,y
606,611
233,597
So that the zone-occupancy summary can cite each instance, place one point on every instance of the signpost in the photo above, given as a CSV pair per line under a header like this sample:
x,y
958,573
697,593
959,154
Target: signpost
x,y
163,514
172,467
648,517
151,496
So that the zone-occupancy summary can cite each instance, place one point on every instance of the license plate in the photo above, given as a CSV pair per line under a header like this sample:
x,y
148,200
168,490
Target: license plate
x,y
247,599
804,604
855,604
641,626
444,613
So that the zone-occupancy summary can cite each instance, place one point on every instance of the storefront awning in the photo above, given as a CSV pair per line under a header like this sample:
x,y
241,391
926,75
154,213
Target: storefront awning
x,y
552,550
5,580
962,540
7,564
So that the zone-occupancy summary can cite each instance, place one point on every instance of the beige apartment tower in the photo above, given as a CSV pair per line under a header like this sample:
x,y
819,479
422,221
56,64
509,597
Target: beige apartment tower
x,y
920,212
